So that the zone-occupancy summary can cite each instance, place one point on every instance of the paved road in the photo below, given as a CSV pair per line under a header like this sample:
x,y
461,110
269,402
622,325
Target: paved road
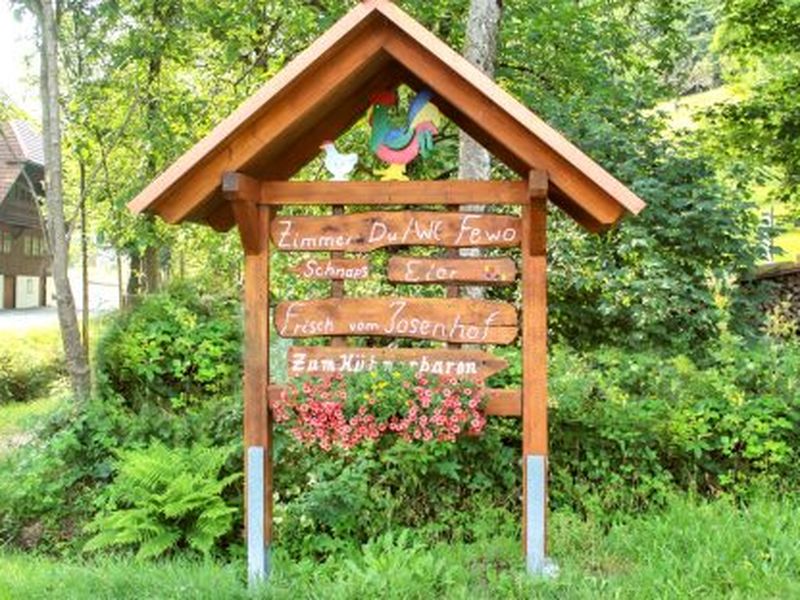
x,y
104,297
30,319
26,319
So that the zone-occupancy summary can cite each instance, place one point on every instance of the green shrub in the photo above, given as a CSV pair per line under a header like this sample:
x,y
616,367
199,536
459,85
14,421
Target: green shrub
x,y
628,428
27,369
172,350
164,499
328,501
48,488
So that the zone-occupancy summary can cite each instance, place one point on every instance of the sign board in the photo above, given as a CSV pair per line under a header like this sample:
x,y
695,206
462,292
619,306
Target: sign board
x,y
333,269
483,271
449,320
362,232
464,364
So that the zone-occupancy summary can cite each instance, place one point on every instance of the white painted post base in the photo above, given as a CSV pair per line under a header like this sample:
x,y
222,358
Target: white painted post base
x,y
258,551
536,560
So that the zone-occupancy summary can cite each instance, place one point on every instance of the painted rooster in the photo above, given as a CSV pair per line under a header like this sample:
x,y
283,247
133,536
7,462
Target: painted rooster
x,y
398,146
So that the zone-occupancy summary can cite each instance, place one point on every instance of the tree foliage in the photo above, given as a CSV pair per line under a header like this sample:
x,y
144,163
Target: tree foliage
x,y
756,137
146,80
665,277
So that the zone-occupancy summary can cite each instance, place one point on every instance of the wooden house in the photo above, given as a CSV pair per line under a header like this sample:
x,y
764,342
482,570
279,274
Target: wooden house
x,y
24,258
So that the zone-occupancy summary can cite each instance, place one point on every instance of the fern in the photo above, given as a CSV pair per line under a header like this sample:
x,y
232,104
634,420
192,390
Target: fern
x,y
163,499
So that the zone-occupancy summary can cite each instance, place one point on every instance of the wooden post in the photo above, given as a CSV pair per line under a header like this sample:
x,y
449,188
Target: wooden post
x,y
337,285
534,374
452,290
253,222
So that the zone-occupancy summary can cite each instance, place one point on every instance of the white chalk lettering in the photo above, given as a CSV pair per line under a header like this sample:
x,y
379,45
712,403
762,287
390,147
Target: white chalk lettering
x,y
416,271
357,362
290,240
474,236
400,325
309,327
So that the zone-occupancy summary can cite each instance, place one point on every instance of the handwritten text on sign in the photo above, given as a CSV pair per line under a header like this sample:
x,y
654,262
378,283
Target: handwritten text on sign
x,y
317,360
458,270
449,320
335,268
362,232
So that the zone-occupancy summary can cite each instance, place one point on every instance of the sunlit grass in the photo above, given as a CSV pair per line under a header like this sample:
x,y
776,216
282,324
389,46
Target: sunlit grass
x,y
789,243
692,550
17,417
41,342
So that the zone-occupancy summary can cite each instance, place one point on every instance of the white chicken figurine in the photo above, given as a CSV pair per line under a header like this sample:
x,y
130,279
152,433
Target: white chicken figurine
x,y
339,165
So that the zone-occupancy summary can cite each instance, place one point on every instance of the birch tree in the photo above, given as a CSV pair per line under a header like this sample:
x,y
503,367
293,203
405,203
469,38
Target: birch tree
x,y
480,48
56,229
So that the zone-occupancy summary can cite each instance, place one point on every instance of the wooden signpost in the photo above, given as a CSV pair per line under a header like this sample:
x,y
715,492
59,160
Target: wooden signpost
x,y
452,319
240,175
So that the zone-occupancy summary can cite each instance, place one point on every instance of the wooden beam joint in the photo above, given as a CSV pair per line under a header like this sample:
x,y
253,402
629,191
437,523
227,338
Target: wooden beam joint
x,y
538,184
244,194
538,187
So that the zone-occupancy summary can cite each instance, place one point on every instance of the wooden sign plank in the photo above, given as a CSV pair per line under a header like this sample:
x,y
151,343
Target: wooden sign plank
x,y
394,193
444,319
501,402
362,232
483,271
334,268
463,364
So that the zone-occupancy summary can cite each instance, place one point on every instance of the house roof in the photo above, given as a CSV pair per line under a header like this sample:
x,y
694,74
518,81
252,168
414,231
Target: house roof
x,y
20,145
326,89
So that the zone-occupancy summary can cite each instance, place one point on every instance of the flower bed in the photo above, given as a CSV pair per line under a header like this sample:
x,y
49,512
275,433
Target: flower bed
x,y
336,411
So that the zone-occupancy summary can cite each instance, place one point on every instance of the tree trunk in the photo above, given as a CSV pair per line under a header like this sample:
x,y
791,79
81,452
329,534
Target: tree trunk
x,y
151,263
120,289
77,363
152,269
480,49
135,279
84,260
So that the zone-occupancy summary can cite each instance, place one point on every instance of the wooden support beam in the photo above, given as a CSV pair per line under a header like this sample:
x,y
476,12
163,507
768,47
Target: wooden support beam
x,y
244,194
257,422
395,192
534,373
337,285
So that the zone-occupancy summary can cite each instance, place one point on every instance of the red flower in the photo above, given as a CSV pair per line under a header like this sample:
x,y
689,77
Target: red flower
x,y
315,414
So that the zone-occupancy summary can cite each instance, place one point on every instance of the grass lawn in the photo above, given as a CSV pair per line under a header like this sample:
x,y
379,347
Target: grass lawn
x,y
17,419
692,550
789,243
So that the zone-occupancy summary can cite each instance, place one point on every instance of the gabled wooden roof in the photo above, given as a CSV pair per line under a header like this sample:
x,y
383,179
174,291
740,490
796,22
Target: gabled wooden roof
x,y
20,146
326,89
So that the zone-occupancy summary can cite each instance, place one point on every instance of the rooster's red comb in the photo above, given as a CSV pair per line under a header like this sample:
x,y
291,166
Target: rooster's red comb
x,y
383,98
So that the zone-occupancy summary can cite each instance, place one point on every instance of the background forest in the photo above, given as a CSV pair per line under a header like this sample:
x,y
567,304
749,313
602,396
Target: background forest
x,y
675,394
